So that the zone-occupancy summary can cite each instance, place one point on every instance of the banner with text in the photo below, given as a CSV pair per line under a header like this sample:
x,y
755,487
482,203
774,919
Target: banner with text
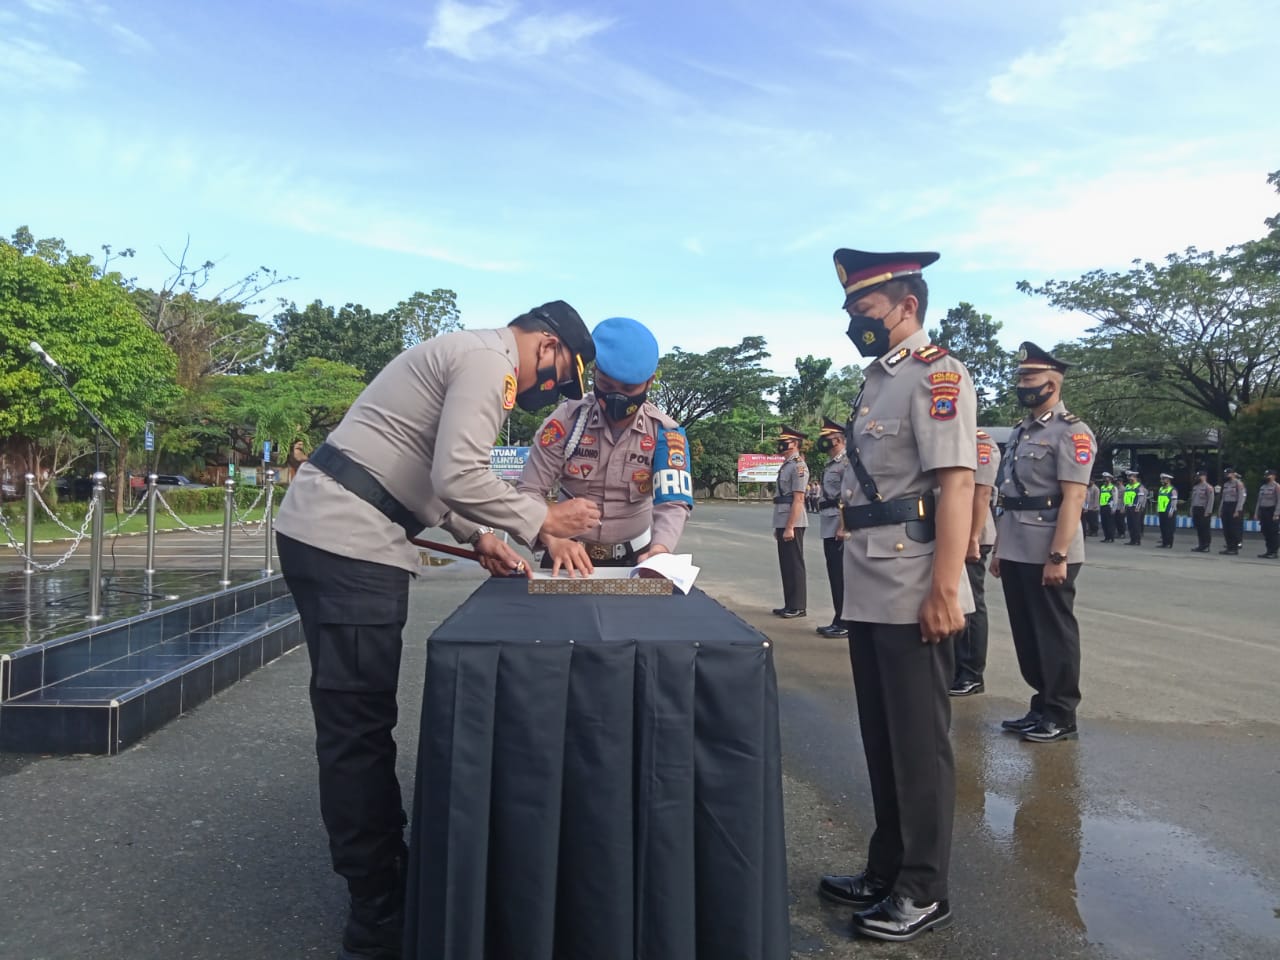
x,y
759,467
508,462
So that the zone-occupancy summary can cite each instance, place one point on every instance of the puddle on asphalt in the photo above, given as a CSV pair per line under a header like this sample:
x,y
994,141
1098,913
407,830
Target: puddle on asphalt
x,y
1133,885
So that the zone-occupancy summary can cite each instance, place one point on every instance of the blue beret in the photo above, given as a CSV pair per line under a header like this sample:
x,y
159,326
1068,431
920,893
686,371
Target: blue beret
x,y
625,350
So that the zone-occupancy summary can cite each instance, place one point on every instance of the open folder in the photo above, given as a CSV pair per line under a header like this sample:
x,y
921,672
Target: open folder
x,y
676,567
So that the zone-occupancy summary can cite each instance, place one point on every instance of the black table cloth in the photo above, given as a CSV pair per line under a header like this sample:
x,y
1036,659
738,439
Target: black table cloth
x,y
599,778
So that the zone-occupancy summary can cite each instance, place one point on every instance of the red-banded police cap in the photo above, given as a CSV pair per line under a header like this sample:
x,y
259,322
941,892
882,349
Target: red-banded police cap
x,y
861,271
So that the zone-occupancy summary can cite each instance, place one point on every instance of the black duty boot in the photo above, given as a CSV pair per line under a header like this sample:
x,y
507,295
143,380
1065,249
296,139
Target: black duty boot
x,y
375,924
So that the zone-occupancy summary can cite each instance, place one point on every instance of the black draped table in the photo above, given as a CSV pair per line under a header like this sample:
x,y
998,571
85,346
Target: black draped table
x,y
599,778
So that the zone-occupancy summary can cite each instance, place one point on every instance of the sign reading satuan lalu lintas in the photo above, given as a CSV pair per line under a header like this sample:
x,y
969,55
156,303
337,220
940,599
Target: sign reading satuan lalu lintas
x,y
508,462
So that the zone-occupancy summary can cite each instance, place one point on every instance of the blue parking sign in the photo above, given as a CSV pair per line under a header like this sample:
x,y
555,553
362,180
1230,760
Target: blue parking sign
x,y
266,451
149,437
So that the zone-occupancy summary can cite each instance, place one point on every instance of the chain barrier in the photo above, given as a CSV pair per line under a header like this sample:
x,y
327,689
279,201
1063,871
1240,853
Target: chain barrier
x,y
53,516
75,545
240,520
182,523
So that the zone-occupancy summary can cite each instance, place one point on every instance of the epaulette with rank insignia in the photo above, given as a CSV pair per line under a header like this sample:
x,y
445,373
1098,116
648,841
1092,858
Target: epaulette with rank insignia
x,y
983,435
1069,417
930,353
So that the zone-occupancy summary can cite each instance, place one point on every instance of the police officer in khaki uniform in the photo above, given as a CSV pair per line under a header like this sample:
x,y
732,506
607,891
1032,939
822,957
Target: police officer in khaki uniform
x,y
831,442
412,452
971,645
1202,495
1233,496
1039,546
1264,511
619,451
790,522
1166,510
909,503
1092,501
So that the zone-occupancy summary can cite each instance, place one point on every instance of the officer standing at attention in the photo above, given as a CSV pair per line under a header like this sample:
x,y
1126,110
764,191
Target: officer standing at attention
x,y
1039,546
790,521
618,451
1135,507
831,442
1089,519
1202,511
1106,504
1166,510
971,645
1233,495
412,452
908,492
1264,511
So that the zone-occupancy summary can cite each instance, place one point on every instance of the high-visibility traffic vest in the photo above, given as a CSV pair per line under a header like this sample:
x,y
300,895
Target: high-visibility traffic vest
x,y
1163,496
1131,494
1105,493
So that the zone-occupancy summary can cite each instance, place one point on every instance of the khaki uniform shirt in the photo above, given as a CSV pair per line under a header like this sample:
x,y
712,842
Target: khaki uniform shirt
x,y
793,477
1092,497
1202,496
614,473
1268,494
1233,493
913,417
1046,450
986,475
832,484
424,428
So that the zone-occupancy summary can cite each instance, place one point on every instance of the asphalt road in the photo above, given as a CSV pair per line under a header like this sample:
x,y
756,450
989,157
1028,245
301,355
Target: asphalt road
x,y
1155,836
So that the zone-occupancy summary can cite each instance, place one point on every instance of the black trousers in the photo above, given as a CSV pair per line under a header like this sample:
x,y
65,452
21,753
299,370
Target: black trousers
x,y
1134,520
1089,523
833,552
1046,637
1270,528
1232,526
971,645
1203,524
352,614
1108,523
1167,525
791,563
904,715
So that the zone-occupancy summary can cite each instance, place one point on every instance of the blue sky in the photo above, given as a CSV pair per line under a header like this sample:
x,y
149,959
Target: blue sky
x,y
689,164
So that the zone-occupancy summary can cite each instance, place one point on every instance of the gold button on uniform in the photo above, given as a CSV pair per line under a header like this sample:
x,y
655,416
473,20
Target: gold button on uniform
x,y
897,546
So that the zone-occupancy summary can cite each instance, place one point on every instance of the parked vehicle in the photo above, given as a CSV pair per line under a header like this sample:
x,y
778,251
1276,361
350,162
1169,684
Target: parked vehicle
x,y
178,480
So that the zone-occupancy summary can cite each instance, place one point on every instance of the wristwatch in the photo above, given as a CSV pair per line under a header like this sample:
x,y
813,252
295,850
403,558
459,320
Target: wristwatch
x,y
1055,557
480,532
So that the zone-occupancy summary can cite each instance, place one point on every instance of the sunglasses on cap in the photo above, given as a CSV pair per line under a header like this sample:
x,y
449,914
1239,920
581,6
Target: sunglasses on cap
x,y
578,373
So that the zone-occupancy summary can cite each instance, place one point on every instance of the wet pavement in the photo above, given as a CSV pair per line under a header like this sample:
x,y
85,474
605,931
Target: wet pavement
x,y
1154,836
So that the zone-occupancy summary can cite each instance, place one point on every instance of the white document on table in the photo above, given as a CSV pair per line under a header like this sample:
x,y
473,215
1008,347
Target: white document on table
x,y
676,567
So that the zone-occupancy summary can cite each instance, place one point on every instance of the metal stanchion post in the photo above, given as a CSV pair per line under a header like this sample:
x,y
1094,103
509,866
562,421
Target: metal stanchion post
x,y
151,524
269,529
228,511
95,548
30,566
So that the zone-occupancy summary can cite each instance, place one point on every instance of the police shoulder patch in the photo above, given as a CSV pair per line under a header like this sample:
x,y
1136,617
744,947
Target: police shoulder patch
x,y
930,353
508,392
552,433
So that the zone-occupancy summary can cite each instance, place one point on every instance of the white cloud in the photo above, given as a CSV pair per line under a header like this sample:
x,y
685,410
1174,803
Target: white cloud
x,y
28,65
96,12
484,31
693,245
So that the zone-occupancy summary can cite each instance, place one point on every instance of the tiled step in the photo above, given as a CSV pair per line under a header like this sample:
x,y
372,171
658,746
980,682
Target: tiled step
x,y
100,690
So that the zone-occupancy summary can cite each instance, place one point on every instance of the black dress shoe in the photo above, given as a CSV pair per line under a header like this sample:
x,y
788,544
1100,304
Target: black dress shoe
x,y
375,927
900,918
1046,731
786,614
1266,556
833,630
1231,552
966,688
1022,723
861,891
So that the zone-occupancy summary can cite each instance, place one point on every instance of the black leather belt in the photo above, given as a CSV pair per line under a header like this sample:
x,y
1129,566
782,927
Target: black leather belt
x,y
885,512
1029,503
356,479
828,504
789,498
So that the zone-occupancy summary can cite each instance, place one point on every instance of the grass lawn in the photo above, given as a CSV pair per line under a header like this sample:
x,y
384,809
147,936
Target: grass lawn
x,y
48,530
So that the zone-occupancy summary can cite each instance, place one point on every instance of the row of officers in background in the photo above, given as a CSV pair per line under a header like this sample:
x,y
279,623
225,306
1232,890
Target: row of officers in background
x,y
1116,507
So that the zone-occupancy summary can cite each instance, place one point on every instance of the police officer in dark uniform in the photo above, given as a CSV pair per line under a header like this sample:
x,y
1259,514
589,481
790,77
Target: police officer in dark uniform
x,y
1264,511
1039,545
790,522
1233,496
412,452
908,492
1202,495
831,442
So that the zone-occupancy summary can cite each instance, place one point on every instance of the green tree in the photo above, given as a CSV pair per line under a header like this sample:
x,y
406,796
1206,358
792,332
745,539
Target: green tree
x,y
120,369
353,335
1253,442
801,398
694,386
714,446
974,339
427,315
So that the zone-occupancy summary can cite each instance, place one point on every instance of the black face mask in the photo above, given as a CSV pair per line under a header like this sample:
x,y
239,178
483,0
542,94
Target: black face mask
x,y
869,334
783,446
545,391
618,406
824,444
1032,397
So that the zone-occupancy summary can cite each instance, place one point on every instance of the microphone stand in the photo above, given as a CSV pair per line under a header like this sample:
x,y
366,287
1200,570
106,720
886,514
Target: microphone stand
x,y
100,431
